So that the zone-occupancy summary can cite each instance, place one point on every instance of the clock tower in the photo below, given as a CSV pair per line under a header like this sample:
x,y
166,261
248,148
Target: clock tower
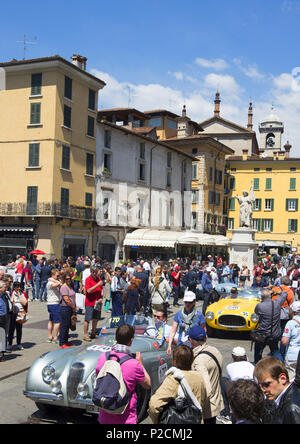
x,y
271,130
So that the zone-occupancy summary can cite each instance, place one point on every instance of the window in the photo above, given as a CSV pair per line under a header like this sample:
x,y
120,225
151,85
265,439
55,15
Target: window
x,y
232,183
268,184
64,201
256,184
256,224
269,204
232,203
256,169
291,204
142,151
214,198
230,223
217,199
257,205
34,155
169,159
106,208
169,179
195,196
67,116
293,169
268,169
36,84
172,124
267,224
194,171
107,163
65,163
32,194
292,184
194,220
89,199
293,225
194,150
142,171
211,174
92,99
218,177
89,164
35,113
68,88
91,126
107,139
155,121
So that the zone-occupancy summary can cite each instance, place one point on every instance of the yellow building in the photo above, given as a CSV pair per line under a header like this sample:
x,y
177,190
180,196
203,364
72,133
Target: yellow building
x,y
276,181
48,146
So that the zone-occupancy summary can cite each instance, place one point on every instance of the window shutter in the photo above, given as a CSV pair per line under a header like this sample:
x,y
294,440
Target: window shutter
x,y
35,113
89,164
36,84
272,204
64,201
67,116
286,204
34,154
258,224
66,157
263,225
289,225
68,88
268,184
296,225
296,204
259,204
271,225
292,183
256,184
32,193
91,126
92,99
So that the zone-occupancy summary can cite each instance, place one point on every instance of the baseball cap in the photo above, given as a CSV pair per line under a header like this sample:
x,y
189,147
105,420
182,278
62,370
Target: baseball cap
x,y
197,333
239,351
189,296
295,306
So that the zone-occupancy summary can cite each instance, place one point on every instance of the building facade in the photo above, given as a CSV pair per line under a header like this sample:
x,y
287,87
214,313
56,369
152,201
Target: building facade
x,y
48,144
141,183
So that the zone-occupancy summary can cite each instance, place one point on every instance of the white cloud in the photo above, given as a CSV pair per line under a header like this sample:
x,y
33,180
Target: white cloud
x,y
217,64
178,75
225,83
250,71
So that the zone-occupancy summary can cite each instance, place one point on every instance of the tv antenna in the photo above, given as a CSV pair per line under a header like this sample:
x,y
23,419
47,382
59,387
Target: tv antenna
x,y
26,42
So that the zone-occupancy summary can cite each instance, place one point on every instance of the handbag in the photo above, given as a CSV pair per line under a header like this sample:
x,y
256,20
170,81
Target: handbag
x,y
73,322
107,305
181,411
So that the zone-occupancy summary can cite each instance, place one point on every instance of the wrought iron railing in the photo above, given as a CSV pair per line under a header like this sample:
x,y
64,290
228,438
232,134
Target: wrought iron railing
x,y
42,209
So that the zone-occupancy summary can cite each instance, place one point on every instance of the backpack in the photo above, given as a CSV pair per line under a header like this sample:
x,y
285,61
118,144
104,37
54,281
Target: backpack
x,y
110,391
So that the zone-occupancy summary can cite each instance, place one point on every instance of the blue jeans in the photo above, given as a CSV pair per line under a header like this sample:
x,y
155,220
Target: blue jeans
x,y
117,308
65,321
43,290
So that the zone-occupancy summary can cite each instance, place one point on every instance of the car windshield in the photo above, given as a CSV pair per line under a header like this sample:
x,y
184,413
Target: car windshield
x,y
244,294
141,323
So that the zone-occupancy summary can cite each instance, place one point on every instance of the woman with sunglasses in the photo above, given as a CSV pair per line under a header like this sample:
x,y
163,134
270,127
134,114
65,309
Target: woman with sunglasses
x,y
67,309
185,319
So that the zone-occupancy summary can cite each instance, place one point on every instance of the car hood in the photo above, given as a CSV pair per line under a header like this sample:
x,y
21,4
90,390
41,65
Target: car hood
x,y
233,304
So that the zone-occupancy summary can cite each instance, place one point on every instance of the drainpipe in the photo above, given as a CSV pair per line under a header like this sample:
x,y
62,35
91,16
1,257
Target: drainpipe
x,y
150,185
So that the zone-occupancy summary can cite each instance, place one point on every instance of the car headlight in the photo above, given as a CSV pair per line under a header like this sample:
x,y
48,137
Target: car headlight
x,y
83,390
254,317
55,385
210,315
48,374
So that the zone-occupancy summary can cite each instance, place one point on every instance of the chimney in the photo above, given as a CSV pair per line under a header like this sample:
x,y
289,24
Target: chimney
x,y
217,104
245,154
79,61
250,117
183,111
287,148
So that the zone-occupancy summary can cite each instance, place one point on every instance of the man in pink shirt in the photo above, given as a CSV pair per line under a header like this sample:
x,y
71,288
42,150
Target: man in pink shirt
x,y
133,373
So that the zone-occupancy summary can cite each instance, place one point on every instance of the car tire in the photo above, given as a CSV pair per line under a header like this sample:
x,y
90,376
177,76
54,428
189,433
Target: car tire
x,y
143,397
211,332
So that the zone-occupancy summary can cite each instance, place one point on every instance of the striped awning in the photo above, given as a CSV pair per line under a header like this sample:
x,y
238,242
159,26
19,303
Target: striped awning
x,y
16,228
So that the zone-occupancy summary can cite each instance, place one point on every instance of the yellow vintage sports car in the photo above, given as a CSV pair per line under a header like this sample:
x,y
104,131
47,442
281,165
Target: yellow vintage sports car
x,y
233,312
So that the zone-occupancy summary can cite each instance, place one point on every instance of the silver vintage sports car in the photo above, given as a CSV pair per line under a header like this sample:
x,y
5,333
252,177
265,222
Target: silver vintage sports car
x,y
65,378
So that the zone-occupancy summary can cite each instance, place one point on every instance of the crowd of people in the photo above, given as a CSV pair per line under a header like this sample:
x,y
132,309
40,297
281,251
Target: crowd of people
x,y
150,287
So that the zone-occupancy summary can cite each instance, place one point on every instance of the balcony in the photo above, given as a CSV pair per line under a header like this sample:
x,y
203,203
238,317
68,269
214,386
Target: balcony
x,y
45,209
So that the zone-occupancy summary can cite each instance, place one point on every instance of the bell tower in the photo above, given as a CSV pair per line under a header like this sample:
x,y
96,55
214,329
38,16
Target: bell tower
x,y
271,130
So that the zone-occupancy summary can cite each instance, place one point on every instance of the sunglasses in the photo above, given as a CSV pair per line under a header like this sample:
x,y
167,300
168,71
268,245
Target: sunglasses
x,y
157,317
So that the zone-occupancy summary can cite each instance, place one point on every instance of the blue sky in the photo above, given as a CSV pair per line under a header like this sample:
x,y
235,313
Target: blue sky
x,y
161,54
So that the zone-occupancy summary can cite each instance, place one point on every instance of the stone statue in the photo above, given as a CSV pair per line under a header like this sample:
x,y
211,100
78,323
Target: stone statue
x,y
246,202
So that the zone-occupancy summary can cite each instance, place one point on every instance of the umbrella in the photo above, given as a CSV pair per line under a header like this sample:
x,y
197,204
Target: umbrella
x,y
37,252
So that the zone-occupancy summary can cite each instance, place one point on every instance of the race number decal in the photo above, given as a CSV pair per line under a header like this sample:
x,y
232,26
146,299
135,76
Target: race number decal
x,y
99,348
163,367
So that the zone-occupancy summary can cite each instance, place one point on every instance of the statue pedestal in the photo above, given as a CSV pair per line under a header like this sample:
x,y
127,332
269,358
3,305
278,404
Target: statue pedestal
x,y
243,248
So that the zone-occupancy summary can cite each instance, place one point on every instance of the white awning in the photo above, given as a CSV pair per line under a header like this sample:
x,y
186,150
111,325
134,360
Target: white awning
x,y
221,241
168,239
273,244
12,228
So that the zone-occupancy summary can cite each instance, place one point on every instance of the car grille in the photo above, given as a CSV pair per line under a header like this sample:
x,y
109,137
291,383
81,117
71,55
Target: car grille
x,y
232,321
74,378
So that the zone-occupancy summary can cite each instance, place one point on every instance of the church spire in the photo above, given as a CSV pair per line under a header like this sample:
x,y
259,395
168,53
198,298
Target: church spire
x,y
250,117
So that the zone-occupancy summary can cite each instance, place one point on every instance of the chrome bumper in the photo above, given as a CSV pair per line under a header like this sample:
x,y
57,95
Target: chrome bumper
x,y
42,396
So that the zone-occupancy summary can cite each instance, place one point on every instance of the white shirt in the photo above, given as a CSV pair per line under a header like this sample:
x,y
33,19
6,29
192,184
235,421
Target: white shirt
x,y
240,370
85,274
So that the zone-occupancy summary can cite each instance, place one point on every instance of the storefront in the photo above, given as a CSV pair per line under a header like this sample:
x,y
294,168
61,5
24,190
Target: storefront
x,y
16,239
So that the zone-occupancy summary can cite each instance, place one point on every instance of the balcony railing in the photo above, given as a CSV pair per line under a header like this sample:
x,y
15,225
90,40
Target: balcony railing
x,y
44,209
